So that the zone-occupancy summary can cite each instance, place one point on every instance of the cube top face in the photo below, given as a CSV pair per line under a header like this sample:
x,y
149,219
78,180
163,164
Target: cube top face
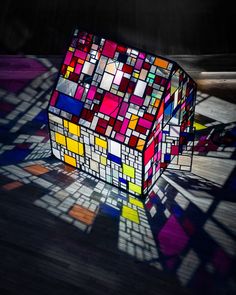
x,y
109,107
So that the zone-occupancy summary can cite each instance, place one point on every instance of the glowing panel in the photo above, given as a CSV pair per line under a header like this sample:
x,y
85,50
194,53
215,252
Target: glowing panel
x,y
121,114
60,138
128,170
114,148
72,145
70,160
73,128
101,142
135,188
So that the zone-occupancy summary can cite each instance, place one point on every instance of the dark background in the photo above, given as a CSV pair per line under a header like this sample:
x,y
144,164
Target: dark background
x,y
163,27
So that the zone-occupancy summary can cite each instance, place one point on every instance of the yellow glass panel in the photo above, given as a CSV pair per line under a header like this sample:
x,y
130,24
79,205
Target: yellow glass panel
x,y
65,123
70,69
70,160
130,214
140,144
135,202
199,126
172,89
71,49
128,170
135,188
60,138
101,142
136,75
161,63
103,160
133,121
78,131
72,145
73,128
67,74
81,149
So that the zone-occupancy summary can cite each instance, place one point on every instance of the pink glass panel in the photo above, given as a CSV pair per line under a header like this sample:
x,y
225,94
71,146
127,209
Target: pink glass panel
x,y
167,97
145,123
78,68
110,105
120,137
68,58
123,109
109,48
54,98
124,126
79,92
92,92
136,100
118,77
80,54
138,64
142,55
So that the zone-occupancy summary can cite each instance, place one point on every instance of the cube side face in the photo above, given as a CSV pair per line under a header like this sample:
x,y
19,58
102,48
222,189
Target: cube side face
x,y
178,131
153,151
97,155
170,143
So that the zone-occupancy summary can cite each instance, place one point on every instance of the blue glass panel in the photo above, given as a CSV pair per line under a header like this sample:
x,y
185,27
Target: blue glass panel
x,y
122,180
168,110
190,98
167,158
114,158
68,104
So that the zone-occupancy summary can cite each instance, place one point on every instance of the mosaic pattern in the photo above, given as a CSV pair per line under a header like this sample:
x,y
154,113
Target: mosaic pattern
x,y
215,133
24,100
169,231
182,213
120,114
178,206
78,199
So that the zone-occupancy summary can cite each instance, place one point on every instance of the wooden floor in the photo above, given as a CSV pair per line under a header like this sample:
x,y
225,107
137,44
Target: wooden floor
x,y
64,232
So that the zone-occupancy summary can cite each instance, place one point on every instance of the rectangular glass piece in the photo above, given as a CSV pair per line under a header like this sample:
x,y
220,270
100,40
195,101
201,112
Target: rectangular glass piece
x,y
68,104
106,81
66,86
88,68
140,88
114,148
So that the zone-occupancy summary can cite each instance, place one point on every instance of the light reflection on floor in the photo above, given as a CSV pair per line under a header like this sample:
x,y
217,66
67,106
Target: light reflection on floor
x,y
186,226
77,198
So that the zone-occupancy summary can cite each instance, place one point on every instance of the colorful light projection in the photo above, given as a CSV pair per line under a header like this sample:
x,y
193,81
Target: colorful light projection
x,y
121,114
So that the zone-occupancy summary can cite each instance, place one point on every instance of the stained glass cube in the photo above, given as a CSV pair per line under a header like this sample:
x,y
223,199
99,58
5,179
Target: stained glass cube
x,y
121,114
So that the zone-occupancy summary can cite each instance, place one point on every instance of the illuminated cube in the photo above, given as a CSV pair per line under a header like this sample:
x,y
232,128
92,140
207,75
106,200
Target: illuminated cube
x,y
121,114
